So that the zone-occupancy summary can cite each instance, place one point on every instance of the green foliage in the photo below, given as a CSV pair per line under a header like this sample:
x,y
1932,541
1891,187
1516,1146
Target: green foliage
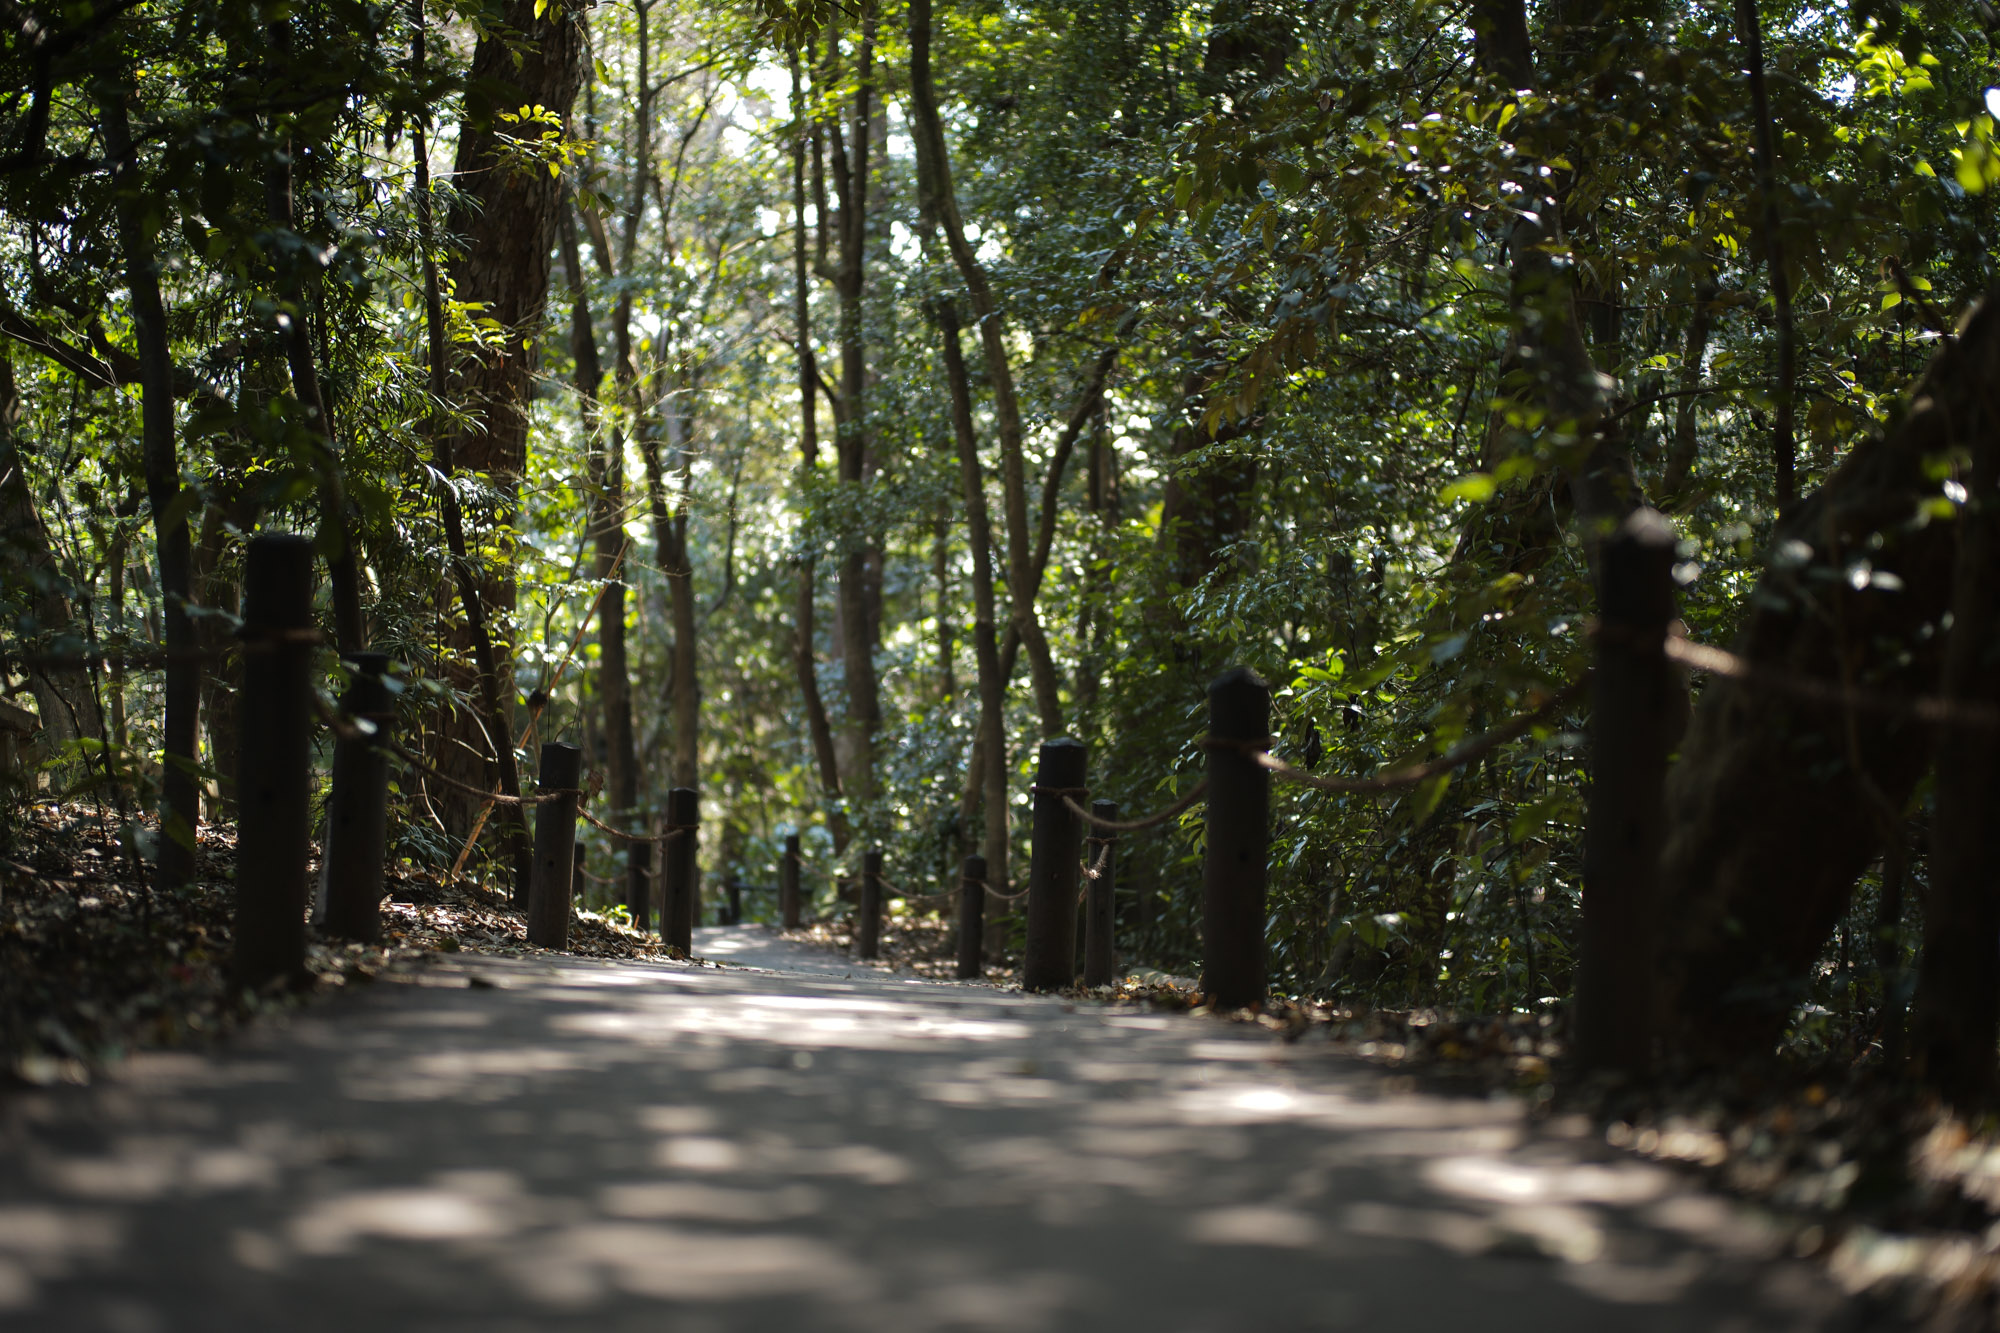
x,y
1319,450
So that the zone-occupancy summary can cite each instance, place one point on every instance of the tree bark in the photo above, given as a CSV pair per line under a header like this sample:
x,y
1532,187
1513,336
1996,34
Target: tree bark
x,y
294,331
1676,489
670,523
607,461
179,814
506,213
927,129
1958,992
805,606
1779,802
850,153
492,717
989,760
1550,352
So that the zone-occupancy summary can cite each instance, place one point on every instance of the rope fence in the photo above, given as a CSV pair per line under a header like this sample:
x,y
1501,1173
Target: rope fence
x,y
1639,655
346,728
1924,708
663,838
1178,808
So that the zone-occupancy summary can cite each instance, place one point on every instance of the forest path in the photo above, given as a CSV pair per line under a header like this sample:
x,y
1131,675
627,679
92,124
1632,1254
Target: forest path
x,y
507,1144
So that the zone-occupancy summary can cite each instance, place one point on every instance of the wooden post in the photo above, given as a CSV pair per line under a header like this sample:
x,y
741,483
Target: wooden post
x,y
788,884
1049,960
357,808
1632,707
677,905
274,820
868,916
971,918
552,886
733,886
1100,916
1237,838
639,884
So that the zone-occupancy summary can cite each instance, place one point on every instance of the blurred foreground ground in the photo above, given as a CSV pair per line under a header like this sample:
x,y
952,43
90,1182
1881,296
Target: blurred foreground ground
x,y
789,1142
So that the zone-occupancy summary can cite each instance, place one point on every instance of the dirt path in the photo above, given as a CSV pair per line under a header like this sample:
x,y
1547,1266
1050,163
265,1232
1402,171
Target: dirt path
x,y
799,1145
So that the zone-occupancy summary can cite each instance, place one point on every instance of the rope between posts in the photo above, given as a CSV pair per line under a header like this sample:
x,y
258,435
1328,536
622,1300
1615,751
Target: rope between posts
x,y
1721,662
346,730
621,835
1194,793
1096,869
1003,897
908,897
1402,778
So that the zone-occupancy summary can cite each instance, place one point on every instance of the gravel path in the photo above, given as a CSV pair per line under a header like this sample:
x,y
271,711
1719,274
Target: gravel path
x,y
792,1143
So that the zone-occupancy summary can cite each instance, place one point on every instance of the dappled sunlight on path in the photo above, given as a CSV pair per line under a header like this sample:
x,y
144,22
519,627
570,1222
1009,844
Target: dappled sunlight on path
x,y
802,1144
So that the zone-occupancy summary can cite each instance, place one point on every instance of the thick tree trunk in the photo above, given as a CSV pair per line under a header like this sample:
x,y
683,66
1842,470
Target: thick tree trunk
x,y
1779,802
491,734
178,810
506,213
1958,996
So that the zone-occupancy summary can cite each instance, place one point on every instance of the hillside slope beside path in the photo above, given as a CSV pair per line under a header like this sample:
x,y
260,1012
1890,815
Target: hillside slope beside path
x,y
582,1146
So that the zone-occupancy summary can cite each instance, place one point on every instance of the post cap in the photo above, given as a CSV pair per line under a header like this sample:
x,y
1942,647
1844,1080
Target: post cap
x,y
1062,762
1239,705
278,582
562,766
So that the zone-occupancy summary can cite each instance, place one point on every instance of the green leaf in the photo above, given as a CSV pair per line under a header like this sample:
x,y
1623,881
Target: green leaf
x,y
1477,487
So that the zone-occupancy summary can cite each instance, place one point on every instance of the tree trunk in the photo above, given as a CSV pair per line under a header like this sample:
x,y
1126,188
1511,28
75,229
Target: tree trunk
x,y
927,129
850,162
336,537
670,542
1779,802
1958,993
989,760
493,725
805,602
506,213
222,682
178,811
607,462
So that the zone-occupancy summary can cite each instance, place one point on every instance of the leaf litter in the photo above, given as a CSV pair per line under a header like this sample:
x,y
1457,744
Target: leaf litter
x,y
95,964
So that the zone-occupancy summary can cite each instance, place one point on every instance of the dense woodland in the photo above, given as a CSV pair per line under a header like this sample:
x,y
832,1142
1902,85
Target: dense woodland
x,y
818,407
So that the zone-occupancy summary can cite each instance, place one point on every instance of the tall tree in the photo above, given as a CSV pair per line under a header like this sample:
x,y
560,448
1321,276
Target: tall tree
x,y
178,811
523,81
